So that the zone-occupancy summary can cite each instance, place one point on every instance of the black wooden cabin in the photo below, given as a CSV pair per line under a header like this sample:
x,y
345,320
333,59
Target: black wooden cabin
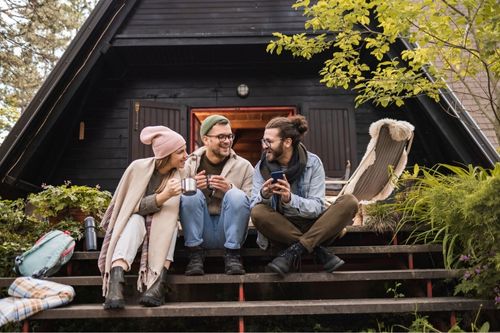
x,y
148,62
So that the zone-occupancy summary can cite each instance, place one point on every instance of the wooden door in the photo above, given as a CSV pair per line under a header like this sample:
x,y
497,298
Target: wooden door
x,y
152,113
331,136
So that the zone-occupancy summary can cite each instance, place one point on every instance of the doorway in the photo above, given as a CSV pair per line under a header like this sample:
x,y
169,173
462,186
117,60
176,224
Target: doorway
x,y
247,124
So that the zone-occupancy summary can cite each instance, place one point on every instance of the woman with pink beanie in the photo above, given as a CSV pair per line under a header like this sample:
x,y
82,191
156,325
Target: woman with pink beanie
x,y
144,211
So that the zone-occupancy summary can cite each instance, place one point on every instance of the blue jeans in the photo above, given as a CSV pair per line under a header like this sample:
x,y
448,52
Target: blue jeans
x,y
227,230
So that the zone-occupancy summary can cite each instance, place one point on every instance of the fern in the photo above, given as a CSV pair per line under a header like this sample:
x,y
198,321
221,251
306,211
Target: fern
x,y
458,207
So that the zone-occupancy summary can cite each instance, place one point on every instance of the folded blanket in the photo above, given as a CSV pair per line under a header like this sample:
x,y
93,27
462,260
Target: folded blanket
x,y
30,295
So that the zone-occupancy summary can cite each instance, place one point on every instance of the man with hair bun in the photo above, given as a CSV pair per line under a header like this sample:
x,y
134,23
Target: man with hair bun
x,y
291,211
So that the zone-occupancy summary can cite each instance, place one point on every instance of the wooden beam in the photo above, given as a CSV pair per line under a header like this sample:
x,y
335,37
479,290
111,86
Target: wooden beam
x,y
255,252
255,278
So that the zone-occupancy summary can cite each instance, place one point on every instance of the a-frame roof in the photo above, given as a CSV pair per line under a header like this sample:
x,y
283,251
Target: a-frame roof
x,y
92,40
110,25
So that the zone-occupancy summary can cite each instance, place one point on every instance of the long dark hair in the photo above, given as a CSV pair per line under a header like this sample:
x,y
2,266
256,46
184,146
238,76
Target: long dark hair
x,y
160,164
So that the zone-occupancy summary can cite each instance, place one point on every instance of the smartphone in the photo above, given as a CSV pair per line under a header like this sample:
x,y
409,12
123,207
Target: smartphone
x,y
277,175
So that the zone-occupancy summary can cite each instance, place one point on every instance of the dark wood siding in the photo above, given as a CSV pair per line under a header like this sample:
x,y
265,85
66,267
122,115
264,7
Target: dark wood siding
x,y
103,155
198,18
147,113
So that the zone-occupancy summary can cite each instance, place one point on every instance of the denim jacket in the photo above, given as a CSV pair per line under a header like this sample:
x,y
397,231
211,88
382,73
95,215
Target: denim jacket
x,y
308,194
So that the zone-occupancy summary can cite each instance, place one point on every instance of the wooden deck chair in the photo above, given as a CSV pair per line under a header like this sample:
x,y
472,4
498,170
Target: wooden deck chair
x,y
389,145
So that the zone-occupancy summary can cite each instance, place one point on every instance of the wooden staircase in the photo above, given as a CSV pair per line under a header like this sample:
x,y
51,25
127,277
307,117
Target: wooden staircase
x,y
374,263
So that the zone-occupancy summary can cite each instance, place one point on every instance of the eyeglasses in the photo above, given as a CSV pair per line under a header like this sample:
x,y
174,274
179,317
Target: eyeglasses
x,y
267,143
222,137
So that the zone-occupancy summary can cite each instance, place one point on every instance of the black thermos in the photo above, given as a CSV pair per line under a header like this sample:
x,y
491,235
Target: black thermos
x,y
90,234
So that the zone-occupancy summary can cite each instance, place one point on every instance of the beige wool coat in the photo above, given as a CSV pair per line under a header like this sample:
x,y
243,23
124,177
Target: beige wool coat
x,y
125,202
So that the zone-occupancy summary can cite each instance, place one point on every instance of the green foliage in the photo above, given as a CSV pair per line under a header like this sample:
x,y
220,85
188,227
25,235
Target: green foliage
x,y
485,327
8,116
422,324
56,200
12,327
33,35
364,37
76,229
457,207
19,230
381,216
381,327
17,233
395,291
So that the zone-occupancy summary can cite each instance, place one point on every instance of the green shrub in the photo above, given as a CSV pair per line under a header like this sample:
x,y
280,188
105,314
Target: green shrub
x,y
56,201
459,208
17,233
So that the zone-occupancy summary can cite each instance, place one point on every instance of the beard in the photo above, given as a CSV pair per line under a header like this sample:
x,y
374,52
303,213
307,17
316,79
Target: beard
x,y
273,155
222,151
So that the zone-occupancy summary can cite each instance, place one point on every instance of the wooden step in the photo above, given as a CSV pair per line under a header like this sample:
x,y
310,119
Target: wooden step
x,y
271,308
375,275
339,250
350,229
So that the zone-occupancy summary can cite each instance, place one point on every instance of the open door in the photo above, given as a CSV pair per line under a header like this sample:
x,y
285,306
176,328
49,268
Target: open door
x,y
152,113
247,124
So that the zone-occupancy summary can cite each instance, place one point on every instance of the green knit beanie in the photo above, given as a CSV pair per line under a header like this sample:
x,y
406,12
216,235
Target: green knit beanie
x,y
209,122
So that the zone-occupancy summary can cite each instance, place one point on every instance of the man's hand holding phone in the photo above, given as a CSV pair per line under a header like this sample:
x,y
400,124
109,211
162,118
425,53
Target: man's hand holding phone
x,y
277,175
267,187
282,188
278,184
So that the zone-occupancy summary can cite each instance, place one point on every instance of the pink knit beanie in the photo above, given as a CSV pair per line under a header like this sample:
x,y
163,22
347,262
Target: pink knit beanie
x,y
163,140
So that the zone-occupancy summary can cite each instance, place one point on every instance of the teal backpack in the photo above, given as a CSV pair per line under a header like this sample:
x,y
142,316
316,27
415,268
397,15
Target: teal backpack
x,y
46,257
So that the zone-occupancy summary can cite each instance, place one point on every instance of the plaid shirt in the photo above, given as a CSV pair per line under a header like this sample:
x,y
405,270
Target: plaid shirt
x,y
30,295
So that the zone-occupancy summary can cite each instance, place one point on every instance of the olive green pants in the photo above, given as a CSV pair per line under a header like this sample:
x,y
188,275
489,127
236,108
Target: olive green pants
x,y
309,232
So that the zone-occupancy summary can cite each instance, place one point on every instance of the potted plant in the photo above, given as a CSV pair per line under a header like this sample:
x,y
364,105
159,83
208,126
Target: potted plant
x,y
68,201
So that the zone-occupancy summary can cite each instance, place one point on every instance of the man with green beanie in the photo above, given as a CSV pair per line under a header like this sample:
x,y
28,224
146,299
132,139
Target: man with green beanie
x,y
216,216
